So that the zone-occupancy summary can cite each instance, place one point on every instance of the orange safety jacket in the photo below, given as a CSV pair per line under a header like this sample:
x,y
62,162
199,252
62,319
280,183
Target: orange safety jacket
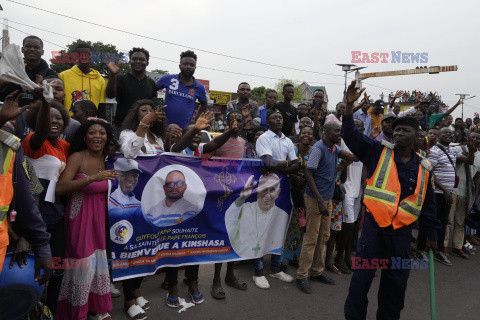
x,y
383,189
7,160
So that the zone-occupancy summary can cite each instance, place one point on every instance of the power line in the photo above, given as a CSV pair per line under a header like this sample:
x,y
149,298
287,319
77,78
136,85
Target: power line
x,y
173,43
158,58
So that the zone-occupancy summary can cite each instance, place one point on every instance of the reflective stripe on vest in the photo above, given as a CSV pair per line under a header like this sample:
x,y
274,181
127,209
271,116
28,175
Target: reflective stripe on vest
x,y
7,157
383,192
377,190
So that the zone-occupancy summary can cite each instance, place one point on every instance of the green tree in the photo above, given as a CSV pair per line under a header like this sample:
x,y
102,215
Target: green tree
x,y
159,71
279,87
102,53
259,92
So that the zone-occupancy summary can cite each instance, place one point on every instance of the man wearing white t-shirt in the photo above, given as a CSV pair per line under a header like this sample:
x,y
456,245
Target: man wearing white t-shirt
x,y
350,209
278,155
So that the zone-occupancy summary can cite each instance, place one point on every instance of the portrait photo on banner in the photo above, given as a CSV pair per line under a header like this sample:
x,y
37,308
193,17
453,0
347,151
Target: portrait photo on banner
x,y
174,194
254,222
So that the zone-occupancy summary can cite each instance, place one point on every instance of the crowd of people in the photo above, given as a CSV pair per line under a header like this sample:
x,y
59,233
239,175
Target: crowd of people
x,y
414,96
356,168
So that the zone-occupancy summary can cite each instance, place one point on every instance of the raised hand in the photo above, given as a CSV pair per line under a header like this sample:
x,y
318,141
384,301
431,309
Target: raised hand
x,y
366,98
398,94
10,109
157,115
113,67
375,132
248,188
353,93
204,120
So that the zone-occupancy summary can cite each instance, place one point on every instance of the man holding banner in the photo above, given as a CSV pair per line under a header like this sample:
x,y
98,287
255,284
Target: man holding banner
x,y
278,155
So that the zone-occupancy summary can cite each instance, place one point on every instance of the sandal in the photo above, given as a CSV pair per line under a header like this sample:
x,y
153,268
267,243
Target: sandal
x,y
102,316
136,313
332,269
172,302
236,284
197,298
217,292
143,303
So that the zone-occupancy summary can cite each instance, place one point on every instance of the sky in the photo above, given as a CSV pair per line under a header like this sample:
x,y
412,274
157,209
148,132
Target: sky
x,y
311,36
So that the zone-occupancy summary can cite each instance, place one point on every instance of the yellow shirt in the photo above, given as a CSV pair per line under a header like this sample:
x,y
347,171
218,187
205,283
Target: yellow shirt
x,y
376,119
80,86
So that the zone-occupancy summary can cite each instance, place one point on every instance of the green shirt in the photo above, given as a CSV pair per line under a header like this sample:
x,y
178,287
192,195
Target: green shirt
x,y
433,118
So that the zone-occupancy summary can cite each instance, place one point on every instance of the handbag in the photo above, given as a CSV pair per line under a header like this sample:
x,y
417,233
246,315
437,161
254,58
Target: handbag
x,y
339,193
457,178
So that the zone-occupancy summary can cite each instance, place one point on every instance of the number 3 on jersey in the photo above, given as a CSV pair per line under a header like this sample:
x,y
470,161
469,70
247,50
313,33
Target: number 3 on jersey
x,y
174,85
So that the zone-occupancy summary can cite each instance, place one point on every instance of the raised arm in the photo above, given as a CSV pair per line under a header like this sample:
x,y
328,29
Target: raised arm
x,y
42,129
217,142
67,183
470,157
203,121
366,99
450,110
113,69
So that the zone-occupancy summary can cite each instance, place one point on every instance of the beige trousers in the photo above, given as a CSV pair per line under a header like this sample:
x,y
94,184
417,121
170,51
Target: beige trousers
x,y
456,222
314,240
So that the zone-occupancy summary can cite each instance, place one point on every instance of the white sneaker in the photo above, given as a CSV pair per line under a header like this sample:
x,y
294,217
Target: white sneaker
x,y
115,293
261,282
282,276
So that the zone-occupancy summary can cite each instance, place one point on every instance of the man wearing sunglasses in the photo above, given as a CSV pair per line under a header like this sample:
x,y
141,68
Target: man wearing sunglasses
x,y
174,208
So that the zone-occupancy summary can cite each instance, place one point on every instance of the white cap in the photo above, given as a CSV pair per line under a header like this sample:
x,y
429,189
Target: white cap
x,y
124,164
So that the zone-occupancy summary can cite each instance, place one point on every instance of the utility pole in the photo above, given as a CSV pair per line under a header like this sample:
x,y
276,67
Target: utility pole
x,y
463,96
5,36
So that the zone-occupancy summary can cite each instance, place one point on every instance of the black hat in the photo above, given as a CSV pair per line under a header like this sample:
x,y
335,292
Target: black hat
x,y
406,121
389,115
270,112
379,103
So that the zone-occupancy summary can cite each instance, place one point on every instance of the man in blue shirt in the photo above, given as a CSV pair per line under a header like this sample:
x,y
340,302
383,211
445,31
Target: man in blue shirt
x,y
363,115
270,100
182,91
320,178
386,243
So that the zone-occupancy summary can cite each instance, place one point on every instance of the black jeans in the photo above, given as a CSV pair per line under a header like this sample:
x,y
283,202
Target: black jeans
x,y
443,209
129,286
191,273
57,245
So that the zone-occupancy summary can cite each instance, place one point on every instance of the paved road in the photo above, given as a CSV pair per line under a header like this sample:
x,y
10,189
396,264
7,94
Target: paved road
x,y
457,296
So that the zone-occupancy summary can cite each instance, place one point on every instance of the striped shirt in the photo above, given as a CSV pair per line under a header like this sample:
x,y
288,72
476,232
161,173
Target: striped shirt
x,y
442,168
234,148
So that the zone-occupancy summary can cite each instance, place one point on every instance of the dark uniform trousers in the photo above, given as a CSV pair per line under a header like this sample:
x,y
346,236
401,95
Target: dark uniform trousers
x,y
381,243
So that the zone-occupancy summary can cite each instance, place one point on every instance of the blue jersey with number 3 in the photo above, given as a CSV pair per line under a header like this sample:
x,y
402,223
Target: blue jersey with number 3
x,y
179,99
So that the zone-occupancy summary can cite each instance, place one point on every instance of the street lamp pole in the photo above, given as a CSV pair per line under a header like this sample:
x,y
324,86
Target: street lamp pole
x,y
347,68
463,96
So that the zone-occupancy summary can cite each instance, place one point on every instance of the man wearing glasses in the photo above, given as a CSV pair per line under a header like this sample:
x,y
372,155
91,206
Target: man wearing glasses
x,y
123,198
174,209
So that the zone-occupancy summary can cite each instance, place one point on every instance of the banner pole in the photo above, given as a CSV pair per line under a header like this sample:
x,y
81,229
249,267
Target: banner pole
x,y
433,314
